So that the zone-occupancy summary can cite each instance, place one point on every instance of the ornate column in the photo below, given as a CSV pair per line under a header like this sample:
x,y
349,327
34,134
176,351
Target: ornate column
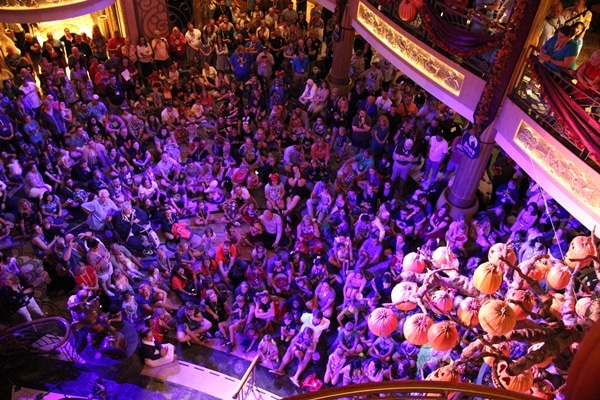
x,y
343,43
507,64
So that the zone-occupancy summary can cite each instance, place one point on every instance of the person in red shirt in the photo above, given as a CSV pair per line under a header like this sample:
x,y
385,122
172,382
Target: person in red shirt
x,y
115,44
177,45
231,268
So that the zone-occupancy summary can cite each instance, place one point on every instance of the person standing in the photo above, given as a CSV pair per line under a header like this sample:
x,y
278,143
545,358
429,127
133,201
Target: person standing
x,y
115,93
403,163
160,46
192,39
99,210
18,297
438,148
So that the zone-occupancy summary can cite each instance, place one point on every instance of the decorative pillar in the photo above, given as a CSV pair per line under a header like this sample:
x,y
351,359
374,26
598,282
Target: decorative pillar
x,y
343,44
508,61
151,15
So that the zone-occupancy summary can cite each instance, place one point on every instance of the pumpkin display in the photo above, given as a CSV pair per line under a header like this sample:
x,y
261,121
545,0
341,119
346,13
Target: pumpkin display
x,y
537,346
441,301
518,383
443,336
499,348
382,321
536,270
526,300
487,278
496,317
582,307
558,276
468,310
557,305
499,251
407,11
413,262
580,248
416,327
443,258
403,296
447,373
417,3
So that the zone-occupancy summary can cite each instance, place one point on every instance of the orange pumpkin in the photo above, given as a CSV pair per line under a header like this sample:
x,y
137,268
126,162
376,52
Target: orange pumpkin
x,y
382,321
582,308
443,258
496,317
557,304
527,300
447,373
442,336
467,311
500,348
580,248
501,250
558,276
535,347
417,3
413,262
403,296
517,383
487,278
407,11
535,271
441,301
416,327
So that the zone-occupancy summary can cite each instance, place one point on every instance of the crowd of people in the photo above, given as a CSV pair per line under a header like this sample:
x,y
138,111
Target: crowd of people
x,y
284,208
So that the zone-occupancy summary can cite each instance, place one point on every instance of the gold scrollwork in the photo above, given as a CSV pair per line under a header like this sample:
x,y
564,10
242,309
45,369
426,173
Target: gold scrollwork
x,y
572,177
435,69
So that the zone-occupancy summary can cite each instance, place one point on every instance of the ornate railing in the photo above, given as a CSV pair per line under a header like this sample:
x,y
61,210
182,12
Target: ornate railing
x,y
467,19
413,390
529,96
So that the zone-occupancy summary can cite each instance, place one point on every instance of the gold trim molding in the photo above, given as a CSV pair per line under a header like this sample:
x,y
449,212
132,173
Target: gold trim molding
x,y
413,54
578,182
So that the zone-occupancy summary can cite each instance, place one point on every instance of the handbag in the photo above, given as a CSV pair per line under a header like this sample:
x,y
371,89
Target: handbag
x,y
312,383
181,231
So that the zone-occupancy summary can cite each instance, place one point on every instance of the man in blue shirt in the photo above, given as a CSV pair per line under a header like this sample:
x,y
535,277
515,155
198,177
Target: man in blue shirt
x,y
241,64
300,68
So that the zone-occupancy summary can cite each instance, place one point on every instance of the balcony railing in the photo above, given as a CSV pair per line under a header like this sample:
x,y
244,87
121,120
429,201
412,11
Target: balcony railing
x,y
413,390
529,96
468,19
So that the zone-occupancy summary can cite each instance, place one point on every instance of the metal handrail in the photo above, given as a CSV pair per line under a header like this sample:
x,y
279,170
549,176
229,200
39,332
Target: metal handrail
x,y
413,390
20,338
246,377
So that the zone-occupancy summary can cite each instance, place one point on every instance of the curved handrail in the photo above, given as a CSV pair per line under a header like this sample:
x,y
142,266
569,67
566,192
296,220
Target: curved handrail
x,y
410,388
246,376
13,338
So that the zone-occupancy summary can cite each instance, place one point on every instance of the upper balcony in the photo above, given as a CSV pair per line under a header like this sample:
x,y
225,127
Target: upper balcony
x,y
448,50
34,11
549,126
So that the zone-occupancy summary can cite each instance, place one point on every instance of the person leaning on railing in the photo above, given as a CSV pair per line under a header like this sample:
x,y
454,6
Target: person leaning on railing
x,y
560,51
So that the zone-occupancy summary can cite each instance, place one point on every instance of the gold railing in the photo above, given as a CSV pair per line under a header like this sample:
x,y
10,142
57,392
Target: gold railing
x,y
248,381
413,390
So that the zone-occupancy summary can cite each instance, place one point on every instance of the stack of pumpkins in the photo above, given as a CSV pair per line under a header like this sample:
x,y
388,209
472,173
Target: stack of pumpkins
x,y
492,311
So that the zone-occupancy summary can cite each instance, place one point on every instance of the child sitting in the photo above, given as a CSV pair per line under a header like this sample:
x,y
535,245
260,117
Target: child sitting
x,y
268,351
